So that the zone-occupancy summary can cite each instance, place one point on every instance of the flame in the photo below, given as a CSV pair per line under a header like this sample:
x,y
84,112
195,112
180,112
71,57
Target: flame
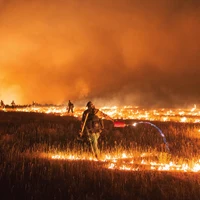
x,y
126,112
130,163
194,108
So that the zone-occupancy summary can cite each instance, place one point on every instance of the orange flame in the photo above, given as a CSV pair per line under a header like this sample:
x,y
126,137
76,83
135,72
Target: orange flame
x,y
130,163
126,112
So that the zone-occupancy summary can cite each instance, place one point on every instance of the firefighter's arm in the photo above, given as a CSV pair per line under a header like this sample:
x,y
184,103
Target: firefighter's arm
x,y
83,122
102,114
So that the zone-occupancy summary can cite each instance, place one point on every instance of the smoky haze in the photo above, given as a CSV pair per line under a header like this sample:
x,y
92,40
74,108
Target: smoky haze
x,y
111,52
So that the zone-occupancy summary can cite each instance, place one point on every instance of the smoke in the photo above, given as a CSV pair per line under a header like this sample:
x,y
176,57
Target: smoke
x,y
112,52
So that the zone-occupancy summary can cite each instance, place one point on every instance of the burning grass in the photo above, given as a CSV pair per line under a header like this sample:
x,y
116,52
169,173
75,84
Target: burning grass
x,y
41,159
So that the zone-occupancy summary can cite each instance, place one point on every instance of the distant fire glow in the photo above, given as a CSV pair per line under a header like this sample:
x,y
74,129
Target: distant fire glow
x,y
127,112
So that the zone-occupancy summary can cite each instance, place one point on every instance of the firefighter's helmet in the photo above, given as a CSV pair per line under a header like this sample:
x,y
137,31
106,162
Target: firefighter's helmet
x,y
89,103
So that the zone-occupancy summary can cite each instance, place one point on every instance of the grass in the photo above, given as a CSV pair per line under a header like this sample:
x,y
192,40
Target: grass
x,y
27,171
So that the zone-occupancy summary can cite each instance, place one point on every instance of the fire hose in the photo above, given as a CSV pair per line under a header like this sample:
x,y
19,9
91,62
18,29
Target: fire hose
x,y
122,124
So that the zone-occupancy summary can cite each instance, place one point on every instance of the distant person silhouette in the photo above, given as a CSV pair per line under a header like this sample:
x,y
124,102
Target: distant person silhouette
x,y
13,104
33,103
70,107
2,104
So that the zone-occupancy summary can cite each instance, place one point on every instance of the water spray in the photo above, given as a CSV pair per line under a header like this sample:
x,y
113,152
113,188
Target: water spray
x,y
122,124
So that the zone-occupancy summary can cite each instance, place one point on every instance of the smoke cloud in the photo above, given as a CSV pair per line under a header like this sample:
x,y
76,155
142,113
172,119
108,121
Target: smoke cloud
x,y
118,52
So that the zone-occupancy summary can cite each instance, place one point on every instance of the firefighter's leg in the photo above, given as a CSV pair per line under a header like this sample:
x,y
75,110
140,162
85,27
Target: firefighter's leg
x,y
94,143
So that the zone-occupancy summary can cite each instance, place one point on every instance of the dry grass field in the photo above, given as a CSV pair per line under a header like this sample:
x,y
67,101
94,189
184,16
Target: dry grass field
x,y
40,158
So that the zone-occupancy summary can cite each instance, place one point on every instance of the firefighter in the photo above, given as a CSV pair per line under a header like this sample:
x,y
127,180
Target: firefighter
x,y
70,107
2,104
92,126
13,104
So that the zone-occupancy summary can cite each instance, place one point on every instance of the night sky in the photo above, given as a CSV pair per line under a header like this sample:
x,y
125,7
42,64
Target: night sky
x,y
119,52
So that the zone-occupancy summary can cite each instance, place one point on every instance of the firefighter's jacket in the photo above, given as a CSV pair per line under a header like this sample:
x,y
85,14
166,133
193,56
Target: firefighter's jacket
x,y
94,122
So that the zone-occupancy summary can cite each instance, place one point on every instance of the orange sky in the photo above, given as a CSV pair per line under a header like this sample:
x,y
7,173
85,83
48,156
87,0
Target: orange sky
x,y
114,52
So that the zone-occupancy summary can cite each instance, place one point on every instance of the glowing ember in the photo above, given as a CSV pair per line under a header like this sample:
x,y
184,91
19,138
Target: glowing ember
x,y
131,163
126,112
